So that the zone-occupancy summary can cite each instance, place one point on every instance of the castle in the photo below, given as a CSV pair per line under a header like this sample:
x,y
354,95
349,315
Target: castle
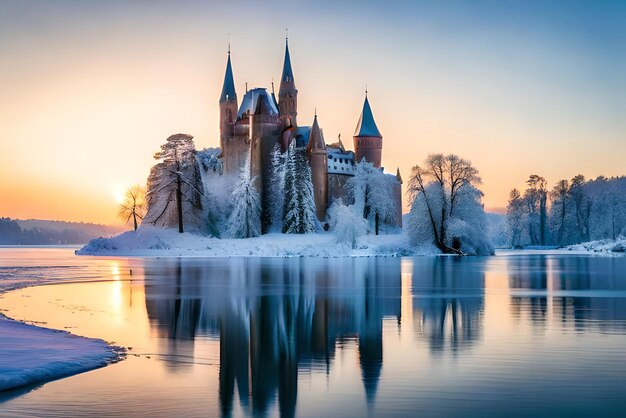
x,y
261,121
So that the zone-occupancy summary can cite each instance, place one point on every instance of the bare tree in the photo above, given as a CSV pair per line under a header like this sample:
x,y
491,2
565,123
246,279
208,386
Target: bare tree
x,y
440,183
134,205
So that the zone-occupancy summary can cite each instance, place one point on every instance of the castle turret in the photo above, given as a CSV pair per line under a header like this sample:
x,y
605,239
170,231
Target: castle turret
x,y
368,142
316,149
287,93
228,115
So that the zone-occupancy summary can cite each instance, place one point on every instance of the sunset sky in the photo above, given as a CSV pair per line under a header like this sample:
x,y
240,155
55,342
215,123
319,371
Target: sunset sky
x,y
90,89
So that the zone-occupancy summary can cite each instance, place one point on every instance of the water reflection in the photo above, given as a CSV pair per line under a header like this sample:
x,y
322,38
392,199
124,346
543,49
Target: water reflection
x,y
572,292
448,303
512,335
276,318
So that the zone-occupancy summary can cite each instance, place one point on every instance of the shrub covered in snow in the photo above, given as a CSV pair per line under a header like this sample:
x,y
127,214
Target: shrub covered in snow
x,y
347,225
372,191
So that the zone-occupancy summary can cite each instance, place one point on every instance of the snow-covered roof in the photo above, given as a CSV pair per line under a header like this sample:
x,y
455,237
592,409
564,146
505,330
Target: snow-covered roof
x,y
251,101
366,125
228,89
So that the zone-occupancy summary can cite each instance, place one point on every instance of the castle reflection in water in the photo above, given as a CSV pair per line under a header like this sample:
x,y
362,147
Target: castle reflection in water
x,y
276,318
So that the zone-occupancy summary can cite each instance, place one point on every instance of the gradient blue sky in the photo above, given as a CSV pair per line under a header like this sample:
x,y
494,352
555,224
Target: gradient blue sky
x,y
91,88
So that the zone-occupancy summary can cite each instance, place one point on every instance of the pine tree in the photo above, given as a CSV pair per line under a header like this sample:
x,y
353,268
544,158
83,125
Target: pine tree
x,y
277,198
299,207
245,219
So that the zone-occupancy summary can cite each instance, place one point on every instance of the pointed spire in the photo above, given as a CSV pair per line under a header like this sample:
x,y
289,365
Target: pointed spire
x,y
398,176
228,89
366,125
287,71
316,139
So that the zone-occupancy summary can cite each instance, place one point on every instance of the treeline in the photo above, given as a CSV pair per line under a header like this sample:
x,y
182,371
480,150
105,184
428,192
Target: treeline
x,y
573,211
11,233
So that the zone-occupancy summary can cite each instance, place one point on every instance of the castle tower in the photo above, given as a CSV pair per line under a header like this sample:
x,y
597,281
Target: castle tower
x,y
264,124
316,149
368,142
228,115
287,93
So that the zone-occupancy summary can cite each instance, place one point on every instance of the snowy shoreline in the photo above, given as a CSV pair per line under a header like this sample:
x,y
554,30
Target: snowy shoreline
x,y
30,354
159,242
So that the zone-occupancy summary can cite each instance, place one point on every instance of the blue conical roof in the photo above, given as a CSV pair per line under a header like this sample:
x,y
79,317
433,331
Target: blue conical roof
x,y
287,71
228,90
366,125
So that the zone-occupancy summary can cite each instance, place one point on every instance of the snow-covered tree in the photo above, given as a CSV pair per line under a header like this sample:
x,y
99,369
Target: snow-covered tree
x,y
446,207
535,197
277,198
604,213
245,218
515,219
299,206
347,225
175,190
580,210
372,191
210,160
582,207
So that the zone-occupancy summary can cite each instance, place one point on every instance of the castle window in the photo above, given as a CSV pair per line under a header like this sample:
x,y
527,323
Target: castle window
x,y
335,167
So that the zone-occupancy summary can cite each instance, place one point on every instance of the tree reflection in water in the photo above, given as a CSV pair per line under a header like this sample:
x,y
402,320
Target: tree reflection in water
x,y
275,318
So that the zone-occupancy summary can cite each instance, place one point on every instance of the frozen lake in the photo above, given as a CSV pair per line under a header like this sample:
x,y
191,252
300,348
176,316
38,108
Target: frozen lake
x,y
516,334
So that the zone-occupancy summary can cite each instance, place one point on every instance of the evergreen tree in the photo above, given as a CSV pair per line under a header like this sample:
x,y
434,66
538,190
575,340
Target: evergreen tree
x,y
299,208
245,219
277,198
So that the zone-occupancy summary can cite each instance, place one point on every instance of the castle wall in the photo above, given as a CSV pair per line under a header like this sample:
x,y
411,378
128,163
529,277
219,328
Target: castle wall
x,y
235,148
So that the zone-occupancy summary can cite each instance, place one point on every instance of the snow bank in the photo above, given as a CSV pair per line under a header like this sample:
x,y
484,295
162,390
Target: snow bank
x,y
605,246
30,354
150,241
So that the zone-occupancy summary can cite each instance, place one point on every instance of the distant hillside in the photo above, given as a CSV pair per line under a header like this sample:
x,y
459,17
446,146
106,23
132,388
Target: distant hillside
x,y
42,232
